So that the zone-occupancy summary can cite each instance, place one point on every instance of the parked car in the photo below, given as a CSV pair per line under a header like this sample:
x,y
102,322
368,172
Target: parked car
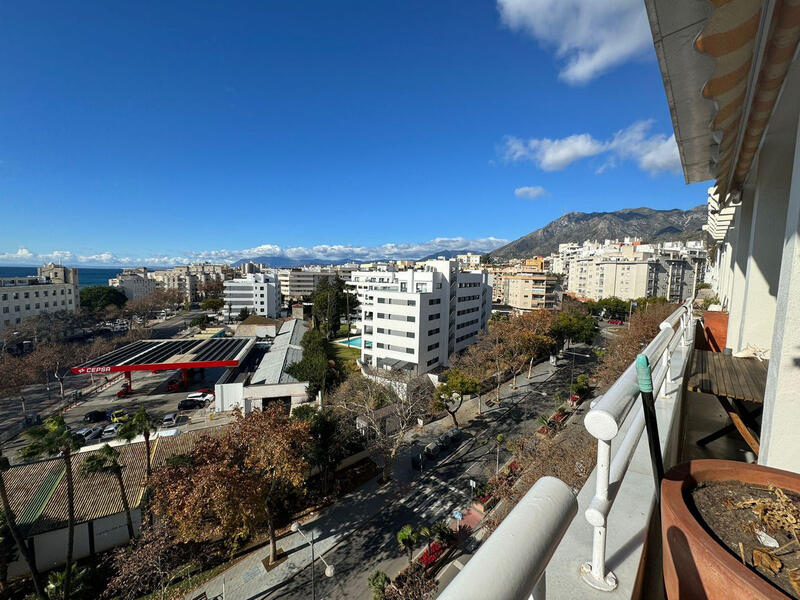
x,y
204,391
94,416
432,450
191,404
452,435
117,416
31,419
204,398
111,431
170,420
90,433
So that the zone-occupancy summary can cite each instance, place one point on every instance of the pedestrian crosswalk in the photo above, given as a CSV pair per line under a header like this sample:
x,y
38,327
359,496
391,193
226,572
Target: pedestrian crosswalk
x,y
431,498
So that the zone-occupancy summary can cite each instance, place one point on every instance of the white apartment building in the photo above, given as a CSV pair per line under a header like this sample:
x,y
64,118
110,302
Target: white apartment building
x,y
469,260
299,284
134,283
417,319
259,293
55,288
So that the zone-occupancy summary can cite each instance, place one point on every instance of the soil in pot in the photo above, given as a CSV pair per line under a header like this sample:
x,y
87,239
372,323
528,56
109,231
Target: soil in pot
x,y
757,524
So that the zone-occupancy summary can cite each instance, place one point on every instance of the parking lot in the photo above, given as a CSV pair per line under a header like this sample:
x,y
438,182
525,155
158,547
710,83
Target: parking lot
x,y
149,391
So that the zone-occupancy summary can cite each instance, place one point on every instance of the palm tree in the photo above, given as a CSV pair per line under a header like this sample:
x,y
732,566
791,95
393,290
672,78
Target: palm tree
x,y
377,583
441,532
106,460
408,537
425,532
15,532
56,583
50,438
141,424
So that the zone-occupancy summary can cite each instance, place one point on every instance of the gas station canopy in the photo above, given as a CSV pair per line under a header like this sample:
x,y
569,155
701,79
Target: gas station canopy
x,y
162,355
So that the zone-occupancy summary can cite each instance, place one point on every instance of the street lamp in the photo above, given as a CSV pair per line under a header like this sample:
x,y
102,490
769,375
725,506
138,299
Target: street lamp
x,y
572,369
328,568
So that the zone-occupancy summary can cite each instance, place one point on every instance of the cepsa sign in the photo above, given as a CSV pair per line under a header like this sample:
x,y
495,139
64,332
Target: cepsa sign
x,y
94,370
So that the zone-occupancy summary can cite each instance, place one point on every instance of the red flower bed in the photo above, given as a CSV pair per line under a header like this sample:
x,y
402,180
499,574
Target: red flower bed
x,y
431,554
558,417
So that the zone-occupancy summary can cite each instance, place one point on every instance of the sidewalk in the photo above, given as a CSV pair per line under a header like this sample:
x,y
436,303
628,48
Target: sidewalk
x,y
249,579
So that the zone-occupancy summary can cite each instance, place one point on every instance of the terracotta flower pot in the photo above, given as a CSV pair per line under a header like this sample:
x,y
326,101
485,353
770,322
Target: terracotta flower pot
x,y
696,566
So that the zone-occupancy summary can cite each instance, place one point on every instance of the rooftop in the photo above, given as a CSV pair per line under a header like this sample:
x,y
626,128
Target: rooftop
x,y
285,351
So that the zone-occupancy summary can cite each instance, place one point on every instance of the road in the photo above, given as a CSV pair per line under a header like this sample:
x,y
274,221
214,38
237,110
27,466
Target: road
x,y
432,495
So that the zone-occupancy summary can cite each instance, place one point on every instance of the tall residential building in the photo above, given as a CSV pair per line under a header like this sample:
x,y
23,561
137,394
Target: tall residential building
x,y
55,288
299,284
416,320
531,291
260,293
134,283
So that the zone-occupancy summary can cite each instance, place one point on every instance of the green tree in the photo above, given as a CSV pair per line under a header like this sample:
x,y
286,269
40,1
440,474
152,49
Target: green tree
x,y
449,396
573,327
332,301
442,533
377,583
61,584
50,438
16,535
142,424
320,371
408,538
96,298
106,460
214,304
243,314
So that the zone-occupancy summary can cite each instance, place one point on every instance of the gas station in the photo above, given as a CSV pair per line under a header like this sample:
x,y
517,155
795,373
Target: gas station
x,y
163,355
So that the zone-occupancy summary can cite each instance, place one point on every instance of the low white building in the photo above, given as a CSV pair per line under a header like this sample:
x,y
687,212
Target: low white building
x,y
260,293
134,283
416,320
262,377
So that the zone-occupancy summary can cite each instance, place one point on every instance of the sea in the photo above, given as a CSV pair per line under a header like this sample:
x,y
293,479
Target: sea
x,y
86,275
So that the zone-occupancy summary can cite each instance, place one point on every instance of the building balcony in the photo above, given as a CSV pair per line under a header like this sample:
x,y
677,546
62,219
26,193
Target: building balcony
x,y
604,540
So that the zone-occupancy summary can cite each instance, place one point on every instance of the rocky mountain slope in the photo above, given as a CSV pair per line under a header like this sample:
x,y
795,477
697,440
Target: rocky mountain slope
x,y
649,224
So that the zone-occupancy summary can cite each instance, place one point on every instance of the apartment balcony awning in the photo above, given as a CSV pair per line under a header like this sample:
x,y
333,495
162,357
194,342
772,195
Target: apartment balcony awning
x,y
723,66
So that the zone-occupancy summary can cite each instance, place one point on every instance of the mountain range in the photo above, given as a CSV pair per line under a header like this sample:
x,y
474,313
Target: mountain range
x,y
646,223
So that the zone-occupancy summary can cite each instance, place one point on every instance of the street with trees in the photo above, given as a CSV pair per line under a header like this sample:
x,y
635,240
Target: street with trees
x,y
212,303
386,409
449,396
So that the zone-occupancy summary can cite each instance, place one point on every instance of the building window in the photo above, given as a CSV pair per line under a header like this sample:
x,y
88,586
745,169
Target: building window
x,y
16,308
36,305
433,317
5,296
433,331
433,346
433,361
434,301
27,294
5,309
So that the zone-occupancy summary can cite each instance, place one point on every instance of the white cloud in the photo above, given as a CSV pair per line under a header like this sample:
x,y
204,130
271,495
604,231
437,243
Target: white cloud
x,y
530,192
655,153
333,253
552,155
589,36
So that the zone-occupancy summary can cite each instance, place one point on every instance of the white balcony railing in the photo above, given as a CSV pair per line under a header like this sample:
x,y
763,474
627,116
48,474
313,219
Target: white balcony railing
x,y
604,421
511,564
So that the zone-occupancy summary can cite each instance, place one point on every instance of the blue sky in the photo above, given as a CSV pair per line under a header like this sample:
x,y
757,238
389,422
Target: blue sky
x,y
160,132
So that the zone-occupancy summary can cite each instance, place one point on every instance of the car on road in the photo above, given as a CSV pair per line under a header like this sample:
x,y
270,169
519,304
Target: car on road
x,y
432,450
31,419
94,416
191,404
170,420
117,416
90,433
203,391
111,431
450,437
615,321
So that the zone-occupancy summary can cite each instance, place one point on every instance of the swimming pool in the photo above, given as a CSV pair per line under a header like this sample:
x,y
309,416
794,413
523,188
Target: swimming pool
x,y
355,342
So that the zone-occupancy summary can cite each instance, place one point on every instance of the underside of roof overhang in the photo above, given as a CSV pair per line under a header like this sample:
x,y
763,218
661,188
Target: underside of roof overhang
x,y
723,63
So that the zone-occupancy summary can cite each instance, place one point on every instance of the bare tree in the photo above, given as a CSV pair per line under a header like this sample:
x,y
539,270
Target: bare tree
x,y
386,408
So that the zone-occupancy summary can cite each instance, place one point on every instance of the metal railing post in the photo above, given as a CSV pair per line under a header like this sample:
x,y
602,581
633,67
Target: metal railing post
x,y
594,573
